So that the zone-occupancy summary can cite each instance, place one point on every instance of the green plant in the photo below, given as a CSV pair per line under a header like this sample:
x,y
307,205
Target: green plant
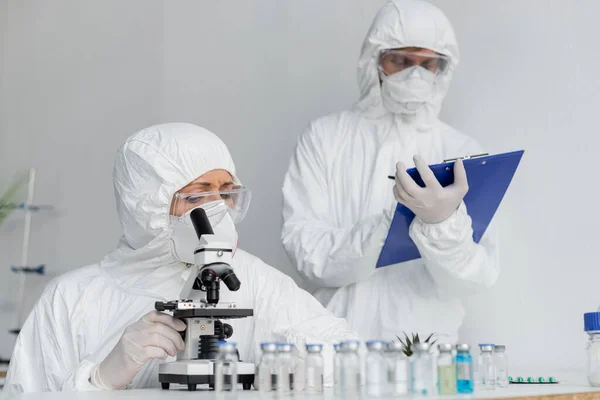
x,y
7,201
408,343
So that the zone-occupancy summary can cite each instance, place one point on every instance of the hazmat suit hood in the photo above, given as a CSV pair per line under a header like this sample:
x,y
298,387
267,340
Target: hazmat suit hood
x,y
149,168
400,24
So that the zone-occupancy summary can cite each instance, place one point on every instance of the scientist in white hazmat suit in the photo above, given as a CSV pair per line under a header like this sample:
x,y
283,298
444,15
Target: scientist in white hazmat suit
x,y
338,201
95,328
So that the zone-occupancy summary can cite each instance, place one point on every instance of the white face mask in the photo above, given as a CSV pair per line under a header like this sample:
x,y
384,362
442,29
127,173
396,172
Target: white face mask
x,y
184,239
405,92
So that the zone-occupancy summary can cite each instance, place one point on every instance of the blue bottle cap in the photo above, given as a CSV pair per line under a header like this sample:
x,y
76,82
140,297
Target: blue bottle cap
x,y
591,321
268,347
375,345
284,347
314,348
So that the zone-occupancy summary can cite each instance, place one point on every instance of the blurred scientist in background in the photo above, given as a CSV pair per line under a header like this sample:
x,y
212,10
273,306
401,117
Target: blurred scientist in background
x,y
338,201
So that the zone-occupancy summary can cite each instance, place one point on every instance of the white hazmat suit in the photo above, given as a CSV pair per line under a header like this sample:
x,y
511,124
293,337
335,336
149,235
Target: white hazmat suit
x,y
338,201
81,315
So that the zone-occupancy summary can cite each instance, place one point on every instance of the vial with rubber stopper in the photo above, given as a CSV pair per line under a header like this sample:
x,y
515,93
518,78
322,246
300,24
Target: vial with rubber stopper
x,y
501,361
314,369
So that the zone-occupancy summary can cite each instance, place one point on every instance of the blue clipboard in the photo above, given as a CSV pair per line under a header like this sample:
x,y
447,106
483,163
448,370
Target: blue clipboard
x,y
489,178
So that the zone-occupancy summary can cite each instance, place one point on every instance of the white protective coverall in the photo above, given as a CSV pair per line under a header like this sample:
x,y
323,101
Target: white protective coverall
x,y
82,314
338,201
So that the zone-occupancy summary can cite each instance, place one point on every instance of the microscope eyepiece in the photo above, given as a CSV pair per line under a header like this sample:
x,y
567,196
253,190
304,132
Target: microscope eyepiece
x,y
201,223
231,281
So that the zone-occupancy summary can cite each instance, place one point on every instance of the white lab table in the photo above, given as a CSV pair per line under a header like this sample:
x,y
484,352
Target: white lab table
x,y
529,392
573,386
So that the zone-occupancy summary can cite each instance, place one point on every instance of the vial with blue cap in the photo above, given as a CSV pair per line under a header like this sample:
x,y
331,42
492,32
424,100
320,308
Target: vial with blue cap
x,y
314,369
226,368
376,371
591,323
267,369
480,371
350,369
337,368
285,368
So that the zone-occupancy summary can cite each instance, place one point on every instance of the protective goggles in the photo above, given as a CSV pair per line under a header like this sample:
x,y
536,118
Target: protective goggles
x,y
395,60
237,201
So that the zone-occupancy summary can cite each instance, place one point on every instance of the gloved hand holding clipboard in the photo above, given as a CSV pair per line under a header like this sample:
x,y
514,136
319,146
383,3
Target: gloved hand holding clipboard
x,y
489,177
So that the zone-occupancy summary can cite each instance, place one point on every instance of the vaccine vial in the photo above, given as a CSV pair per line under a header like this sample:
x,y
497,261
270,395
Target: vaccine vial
x,y
398,368
336,368
592,328
285,368
480,370
422,376
267,371
488,367
226,368
376,371
350,377
314,369
501,361
446,370
464,369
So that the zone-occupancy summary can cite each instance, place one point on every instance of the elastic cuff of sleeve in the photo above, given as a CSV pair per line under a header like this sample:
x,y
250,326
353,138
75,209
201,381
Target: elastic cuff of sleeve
x,y
82,379
454,229
97,381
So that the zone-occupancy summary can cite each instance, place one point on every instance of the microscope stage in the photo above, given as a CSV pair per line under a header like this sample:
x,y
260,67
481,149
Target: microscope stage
x,y
219,313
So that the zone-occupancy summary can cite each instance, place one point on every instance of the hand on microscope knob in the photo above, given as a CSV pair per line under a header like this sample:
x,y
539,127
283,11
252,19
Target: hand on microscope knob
x,y
155,335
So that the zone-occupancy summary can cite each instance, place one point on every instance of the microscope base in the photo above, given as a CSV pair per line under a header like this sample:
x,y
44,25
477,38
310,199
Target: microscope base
x,y
200,372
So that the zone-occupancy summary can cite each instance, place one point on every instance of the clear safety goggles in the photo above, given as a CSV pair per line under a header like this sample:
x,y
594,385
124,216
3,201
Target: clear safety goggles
x,y
237,201
392,61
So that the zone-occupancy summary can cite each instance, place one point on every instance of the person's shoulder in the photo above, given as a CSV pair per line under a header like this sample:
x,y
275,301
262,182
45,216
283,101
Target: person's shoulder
x,y
335,118
457,141
253,265
331,125
73,283
243,259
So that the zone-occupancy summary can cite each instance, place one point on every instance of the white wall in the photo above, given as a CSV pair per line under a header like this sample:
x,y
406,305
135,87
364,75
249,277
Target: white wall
x,y
528,79
77,79
273,67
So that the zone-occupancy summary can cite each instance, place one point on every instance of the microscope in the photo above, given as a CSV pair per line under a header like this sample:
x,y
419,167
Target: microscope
x,y
201,311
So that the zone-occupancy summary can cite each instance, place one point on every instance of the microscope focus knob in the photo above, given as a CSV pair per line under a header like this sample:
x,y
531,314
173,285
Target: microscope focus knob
x,y
162,306
227,330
